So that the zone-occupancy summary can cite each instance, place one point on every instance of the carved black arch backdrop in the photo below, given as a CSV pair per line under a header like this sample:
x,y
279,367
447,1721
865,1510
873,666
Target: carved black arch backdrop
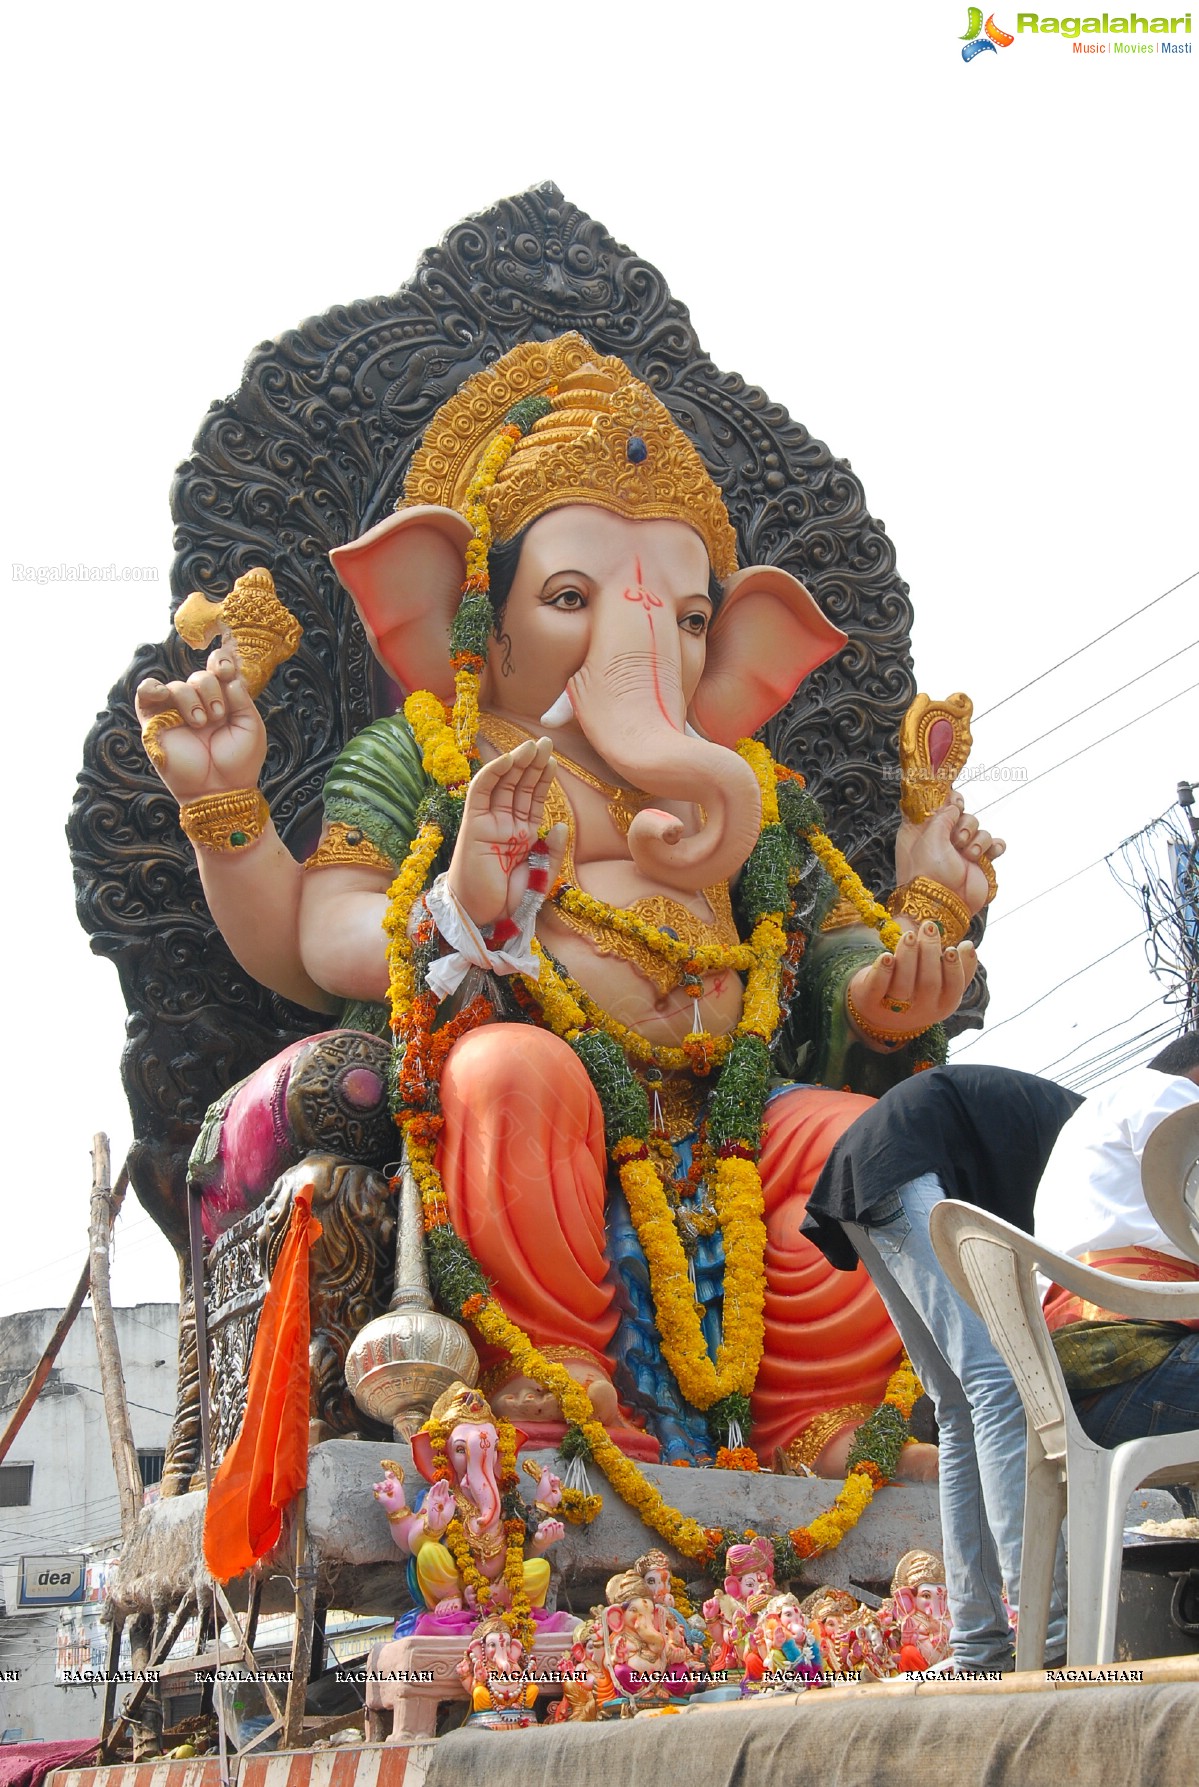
x,y
313,448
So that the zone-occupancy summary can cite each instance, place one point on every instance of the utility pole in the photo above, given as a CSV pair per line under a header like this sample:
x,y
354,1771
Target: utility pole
x,y
1186,800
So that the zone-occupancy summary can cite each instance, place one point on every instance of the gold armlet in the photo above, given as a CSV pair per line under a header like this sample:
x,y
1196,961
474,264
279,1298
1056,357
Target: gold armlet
x,y
345,846
225,822
843,914
923,898
815,1435
891,1039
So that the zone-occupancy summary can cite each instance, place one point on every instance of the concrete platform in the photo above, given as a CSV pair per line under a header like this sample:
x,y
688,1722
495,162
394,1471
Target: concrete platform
x,y
1025,1731
362,1570
353,1537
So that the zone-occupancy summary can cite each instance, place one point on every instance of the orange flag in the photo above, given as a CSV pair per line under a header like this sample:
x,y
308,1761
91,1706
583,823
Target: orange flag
x,y
267,1464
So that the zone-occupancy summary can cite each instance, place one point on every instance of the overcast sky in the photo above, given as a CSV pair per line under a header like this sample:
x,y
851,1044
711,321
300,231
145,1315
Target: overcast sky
x,y
967,279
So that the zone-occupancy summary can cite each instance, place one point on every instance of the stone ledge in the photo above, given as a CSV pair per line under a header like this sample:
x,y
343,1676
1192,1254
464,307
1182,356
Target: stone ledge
x,y
352,1533
364,1572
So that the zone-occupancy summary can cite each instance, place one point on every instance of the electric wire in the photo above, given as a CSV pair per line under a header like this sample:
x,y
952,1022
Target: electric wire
x,y
1116,1051
1133,1051
1077,975
1098,1085
1031,683
33,1271
1095,1035
1091,706
1074,755
1032,899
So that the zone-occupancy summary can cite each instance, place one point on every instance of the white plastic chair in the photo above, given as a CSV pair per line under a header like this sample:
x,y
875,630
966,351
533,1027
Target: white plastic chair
x,y
994,1267
1170,1178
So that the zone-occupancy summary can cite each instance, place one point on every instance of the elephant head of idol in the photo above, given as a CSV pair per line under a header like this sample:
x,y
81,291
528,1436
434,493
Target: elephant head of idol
x,y
559,486
463,1431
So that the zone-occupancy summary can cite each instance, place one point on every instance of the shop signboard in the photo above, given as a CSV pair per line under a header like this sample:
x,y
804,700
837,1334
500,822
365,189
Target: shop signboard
x,y
52,1581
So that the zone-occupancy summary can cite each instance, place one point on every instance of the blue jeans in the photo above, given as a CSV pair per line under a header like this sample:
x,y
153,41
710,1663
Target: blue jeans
x,y
982,1428
1164,1400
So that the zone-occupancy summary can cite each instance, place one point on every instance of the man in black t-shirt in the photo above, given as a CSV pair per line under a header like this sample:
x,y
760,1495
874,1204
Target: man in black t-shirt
x,y
982,1134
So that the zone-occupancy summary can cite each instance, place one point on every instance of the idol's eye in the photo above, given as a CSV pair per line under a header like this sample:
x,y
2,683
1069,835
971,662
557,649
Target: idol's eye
x,y
696,622
570,599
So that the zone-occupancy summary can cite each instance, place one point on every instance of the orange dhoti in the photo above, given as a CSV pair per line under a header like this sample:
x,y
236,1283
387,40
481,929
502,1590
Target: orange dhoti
x,y
525,1173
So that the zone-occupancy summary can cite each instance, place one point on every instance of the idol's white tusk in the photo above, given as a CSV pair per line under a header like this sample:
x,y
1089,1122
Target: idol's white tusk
x,y
561,714
690,731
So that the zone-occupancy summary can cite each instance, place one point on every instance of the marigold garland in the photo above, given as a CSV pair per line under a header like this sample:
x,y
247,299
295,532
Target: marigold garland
x,y
579,1508
685,1534
401,897
709,958
570,1011
737,1458
854,889
864,1474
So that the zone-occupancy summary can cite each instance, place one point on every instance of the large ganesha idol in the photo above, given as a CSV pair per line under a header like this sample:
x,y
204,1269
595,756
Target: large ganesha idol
x,y
611,930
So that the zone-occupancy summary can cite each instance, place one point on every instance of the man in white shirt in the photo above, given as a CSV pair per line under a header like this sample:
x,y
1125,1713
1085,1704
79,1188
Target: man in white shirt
x,y
1126,1378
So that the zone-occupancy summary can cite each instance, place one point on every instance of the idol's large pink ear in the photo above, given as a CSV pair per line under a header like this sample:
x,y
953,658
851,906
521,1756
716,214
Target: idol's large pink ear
x,y
405,576
422,1454
768,635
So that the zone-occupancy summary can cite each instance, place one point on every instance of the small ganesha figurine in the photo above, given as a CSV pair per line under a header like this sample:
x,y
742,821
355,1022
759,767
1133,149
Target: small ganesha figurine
x,y
916,1617
494,1671
832,1615
790,1651
749,1577
732,1615
587,1687
654,1569
853,1640
463,1555
644,1652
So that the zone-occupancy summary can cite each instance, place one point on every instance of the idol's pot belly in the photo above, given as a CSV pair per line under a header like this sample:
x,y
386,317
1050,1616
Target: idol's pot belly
x,y
624,993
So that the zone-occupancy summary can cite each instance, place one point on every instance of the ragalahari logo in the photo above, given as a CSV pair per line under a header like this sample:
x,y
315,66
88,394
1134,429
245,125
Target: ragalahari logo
x,y
979,37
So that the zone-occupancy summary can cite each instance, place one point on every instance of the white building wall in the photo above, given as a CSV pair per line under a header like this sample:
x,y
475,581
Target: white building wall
x,y
74,1504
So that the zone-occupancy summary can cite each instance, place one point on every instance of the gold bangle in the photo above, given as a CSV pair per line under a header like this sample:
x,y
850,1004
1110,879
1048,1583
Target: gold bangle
x,y
398,1514
922,898
225,822
891,1038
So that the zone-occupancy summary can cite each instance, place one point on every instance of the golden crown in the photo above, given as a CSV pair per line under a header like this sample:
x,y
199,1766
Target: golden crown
x,y
459,1403
605,439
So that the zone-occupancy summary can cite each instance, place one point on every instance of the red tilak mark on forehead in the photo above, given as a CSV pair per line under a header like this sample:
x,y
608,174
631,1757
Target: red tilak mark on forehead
x,y
641,594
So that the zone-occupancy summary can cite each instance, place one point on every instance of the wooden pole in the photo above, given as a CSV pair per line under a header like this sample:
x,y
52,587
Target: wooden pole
x,y
104,1208
45,1364
301,1650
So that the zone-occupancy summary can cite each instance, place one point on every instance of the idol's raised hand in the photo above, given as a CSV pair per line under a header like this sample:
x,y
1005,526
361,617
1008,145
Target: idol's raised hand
x,y
505,807
205,735
949,848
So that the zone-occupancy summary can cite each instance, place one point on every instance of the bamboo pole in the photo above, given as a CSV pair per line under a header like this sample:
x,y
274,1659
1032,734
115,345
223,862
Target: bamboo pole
x,y
301,1650
105,1205
45,1364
